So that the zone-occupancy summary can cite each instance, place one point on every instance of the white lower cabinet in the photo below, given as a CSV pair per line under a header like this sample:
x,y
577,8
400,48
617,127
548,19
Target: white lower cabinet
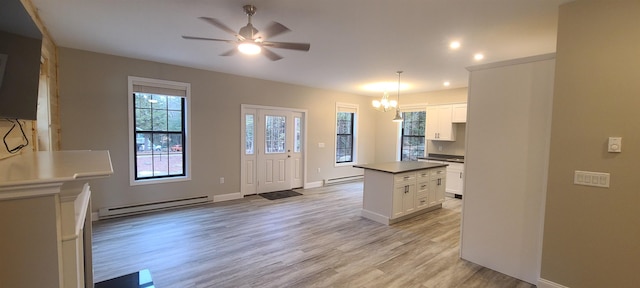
x,y
455,174
418,190
437,184
391,196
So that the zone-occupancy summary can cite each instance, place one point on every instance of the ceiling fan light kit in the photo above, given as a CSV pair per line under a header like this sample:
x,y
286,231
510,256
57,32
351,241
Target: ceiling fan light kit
x,y
251,41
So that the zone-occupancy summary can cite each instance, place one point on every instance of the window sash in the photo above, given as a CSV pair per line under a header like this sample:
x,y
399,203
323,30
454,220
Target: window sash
x,y
412,140
167,135
344,137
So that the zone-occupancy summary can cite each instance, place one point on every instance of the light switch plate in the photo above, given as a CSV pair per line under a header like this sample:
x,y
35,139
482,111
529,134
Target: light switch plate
x,y
615,144
587,178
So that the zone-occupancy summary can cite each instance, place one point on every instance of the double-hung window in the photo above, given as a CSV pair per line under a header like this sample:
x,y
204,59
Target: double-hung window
x,y
346,136
158,127
412,141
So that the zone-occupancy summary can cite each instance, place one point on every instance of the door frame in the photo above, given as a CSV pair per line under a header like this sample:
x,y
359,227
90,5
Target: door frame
x,y
250,171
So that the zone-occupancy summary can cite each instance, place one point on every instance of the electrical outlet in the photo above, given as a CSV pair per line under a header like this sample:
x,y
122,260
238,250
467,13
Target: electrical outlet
x,y
221,180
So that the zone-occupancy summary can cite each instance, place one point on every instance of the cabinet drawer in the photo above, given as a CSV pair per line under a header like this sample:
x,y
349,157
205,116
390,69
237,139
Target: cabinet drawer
x,y
421,202
423,175
438,173
423,188
404,178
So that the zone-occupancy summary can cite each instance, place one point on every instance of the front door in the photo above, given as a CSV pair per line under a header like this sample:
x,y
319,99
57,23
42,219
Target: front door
x,y
275,142
273,149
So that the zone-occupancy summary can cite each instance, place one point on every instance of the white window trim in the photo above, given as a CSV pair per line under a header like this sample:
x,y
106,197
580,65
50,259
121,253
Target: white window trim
x,y
408,108
159,83
355,133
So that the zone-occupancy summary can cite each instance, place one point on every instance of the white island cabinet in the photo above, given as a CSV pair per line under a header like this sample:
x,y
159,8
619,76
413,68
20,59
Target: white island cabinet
x,y
45,218
395,191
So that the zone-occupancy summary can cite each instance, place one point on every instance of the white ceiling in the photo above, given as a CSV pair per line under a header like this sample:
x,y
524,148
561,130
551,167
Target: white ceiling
x,y
353,42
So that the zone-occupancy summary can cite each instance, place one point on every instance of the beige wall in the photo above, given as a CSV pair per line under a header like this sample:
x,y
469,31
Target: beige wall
x,y
387,131
93,109
592,235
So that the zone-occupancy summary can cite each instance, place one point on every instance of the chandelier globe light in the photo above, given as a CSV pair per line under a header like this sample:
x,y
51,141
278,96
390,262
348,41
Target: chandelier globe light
x,y
384,104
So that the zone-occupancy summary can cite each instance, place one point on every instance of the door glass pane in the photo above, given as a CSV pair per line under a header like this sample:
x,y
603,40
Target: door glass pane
x,y
275,134
248,130
297,134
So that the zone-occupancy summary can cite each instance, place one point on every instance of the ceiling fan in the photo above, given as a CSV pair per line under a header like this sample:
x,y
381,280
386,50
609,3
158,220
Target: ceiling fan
x,y
251,41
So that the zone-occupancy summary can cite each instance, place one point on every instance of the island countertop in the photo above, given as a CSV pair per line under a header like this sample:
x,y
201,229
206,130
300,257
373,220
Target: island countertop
x,y
400,166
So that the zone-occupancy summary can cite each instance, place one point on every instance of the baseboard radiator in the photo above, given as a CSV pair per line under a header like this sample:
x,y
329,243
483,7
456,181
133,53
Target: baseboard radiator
x,y
149,207
340,180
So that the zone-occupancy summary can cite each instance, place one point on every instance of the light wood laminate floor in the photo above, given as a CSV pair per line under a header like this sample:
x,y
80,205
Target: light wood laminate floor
x,y
314,240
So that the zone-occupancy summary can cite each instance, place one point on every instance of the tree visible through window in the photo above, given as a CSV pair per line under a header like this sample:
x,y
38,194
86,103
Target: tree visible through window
x,y
344,137
160,136
412,142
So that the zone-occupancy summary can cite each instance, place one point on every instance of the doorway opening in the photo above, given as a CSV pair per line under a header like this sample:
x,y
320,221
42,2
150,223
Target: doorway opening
x,y
274,149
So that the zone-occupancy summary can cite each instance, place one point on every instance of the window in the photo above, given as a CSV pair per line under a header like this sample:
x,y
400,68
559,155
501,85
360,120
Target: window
x,y
158,124
412,137
297,134
249,134
346,115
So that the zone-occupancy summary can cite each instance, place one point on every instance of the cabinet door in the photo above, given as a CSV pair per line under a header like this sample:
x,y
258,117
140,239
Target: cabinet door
x,y
439,125
440,188
398,201
455,173
404,200
437,186
409,200
444,123
432,123
459,113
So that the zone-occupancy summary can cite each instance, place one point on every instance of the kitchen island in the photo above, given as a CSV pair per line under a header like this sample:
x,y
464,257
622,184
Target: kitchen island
x,y
395,191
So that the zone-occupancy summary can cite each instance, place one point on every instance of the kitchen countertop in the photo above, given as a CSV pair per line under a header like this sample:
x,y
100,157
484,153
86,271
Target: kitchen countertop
x,y
444,157
399,166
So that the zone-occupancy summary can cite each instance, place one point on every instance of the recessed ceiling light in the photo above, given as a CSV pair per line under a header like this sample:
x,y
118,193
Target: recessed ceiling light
x,y
446,83
454,45
478,56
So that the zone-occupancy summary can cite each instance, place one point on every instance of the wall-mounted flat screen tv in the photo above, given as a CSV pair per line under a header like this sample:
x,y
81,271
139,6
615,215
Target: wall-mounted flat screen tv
x,y
20,51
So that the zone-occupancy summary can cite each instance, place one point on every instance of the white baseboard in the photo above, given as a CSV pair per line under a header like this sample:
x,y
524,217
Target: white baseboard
x,y
313,184
375,216
543,283
94,216
227,197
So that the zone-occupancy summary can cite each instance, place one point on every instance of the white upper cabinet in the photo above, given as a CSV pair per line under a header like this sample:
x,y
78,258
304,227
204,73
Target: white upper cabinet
x,y
439,124
459,113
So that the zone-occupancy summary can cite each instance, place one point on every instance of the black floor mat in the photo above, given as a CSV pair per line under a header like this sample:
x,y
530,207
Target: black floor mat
x,y
279,194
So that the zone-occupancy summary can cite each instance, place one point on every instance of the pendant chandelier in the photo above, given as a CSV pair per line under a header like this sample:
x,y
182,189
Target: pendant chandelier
x,y
384,104
398,117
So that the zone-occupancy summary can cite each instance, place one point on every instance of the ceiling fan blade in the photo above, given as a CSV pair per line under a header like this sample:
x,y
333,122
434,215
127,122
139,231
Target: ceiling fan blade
x,y
272,56
288,45
272,30
230,52
208,39
217,23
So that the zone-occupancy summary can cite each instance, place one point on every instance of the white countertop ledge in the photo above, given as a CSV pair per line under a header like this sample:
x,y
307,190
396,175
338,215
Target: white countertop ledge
x,y
51,167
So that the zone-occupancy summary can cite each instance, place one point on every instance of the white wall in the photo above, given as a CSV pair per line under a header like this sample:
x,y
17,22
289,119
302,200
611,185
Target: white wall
x,y
508,131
